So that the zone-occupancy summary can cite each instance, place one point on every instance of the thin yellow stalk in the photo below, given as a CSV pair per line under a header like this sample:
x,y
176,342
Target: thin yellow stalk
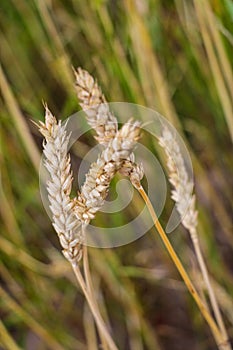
x,y
90,329
94,310
91,292
210,290
215,330
189,219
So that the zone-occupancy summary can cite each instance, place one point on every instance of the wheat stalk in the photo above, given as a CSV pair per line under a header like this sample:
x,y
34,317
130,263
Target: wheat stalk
x,y
220,341
94,308
182,187
69,227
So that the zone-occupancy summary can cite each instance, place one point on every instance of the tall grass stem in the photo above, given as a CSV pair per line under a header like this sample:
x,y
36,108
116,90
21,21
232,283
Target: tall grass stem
x,y
214,328
92,305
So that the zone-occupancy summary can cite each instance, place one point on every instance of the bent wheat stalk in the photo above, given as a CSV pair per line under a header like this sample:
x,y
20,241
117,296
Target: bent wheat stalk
x,y
220,341
136,174
178,177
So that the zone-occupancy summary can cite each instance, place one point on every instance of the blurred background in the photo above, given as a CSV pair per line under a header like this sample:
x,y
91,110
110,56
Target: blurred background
x,y
173,56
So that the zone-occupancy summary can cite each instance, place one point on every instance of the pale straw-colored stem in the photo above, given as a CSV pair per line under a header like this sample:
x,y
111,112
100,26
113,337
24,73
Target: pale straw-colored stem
x,y
211,293
92,305
90,290
209,319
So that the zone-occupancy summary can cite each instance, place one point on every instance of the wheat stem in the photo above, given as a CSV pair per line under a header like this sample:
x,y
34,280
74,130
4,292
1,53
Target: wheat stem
x,y
209,287
215,330
90,290
92,305
182,185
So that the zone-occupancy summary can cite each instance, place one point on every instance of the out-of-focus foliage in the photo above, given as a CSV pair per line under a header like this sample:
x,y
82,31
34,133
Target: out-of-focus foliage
x,y
174,56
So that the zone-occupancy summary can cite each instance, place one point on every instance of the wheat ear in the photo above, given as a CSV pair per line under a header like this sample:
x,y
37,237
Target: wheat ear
x,y
99,116
57,162
69,227
179,178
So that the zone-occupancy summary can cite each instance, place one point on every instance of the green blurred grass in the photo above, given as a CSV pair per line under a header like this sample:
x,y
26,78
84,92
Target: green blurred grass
x,y
171,56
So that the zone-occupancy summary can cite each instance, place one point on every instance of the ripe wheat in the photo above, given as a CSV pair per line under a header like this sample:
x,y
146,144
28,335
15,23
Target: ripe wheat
x,y
70,216
57,162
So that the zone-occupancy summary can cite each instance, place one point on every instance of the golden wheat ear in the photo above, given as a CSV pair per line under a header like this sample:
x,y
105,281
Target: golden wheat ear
x,y
57,162
101,119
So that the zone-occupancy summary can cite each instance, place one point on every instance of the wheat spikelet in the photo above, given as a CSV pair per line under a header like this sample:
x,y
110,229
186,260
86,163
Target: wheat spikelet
x,y
57,162
134,171
94,104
